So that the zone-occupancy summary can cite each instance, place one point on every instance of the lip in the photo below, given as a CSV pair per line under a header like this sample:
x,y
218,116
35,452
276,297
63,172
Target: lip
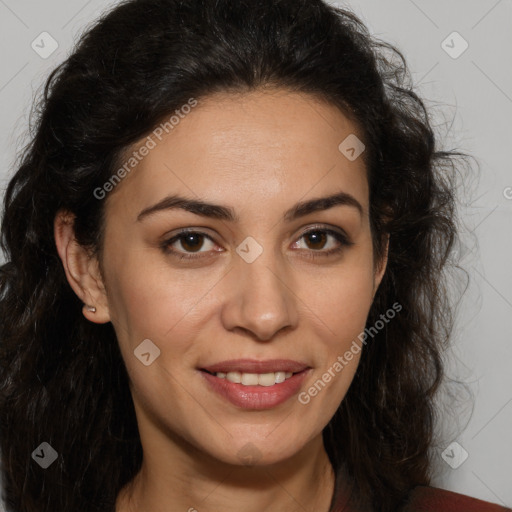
x,y
255,366
256,397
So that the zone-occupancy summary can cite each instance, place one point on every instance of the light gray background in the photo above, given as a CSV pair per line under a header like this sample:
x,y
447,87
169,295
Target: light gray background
x,y
471,98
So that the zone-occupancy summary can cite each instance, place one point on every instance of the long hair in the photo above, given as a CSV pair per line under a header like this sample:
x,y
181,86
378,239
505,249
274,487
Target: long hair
x,y
62,378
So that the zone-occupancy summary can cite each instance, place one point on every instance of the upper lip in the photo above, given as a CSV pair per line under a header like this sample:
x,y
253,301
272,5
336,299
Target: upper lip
x,y
255,366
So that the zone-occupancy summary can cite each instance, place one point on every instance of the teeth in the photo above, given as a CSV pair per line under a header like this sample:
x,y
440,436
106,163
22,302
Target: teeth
x,y
255,379
233,377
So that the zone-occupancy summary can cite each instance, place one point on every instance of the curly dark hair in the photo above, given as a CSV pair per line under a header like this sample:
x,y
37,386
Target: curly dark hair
x,y
62,378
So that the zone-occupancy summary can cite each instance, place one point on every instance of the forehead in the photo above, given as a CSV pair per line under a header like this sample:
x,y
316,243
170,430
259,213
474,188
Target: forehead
x,y
253,148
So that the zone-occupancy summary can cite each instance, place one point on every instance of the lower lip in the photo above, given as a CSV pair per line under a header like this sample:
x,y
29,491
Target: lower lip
x,y
256,397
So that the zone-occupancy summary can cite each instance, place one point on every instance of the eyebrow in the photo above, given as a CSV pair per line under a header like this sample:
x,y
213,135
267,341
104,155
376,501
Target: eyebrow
x,y
216,211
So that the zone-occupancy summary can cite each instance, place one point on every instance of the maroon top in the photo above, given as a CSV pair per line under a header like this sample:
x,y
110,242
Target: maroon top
x,y
432,499
427,499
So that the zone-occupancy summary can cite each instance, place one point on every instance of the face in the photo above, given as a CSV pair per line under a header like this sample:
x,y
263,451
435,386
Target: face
x,y
259,285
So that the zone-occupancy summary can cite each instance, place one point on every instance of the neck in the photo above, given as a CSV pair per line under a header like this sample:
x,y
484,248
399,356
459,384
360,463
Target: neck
x,y
190,481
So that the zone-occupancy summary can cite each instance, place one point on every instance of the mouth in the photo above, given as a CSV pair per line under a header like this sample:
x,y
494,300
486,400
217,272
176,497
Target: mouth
x,y
251,384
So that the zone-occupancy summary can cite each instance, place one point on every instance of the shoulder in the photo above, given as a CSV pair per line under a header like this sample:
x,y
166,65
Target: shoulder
x,y
428,499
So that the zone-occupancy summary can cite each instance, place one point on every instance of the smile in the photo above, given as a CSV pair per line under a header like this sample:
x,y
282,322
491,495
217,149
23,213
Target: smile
x,y
255,391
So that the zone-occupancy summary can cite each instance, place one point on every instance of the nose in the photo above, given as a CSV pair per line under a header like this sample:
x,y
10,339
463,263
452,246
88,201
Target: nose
x,y
261,300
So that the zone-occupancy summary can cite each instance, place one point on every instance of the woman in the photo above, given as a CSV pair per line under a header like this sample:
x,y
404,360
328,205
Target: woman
x,y
225,248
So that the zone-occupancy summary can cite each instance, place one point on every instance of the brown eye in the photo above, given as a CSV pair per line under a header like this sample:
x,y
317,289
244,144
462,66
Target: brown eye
x,y
315,239
186,243
192,241
318,242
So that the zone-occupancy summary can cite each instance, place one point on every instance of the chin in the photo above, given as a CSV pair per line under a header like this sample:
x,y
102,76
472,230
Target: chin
x,y
254,451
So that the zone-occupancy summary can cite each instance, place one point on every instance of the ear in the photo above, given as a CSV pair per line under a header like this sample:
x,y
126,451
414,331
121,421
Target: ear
x,y
82,270
380,268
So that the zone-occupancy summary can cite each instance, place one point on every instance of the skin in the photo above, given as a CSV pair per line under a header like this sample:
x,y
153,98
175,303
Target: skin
x,y
259,153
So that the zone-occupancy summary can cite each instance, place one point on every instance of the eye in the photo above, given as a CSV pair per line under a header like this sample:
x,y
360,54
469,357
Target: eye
x,y
318,238
190,241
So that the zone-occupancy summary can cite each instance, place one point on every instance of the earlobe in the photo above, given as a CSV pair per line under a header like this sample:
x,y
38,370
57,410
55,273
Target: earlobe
x,y
82,271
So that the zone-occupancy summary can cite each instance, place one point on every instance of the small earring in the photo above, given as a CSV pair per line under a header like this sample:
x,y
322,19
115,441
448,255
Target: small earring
x,y
92,309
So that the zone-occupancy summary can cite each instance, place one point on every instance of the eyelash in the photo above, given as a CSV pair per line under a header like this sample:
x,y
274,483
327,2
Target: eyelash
x,y
340,237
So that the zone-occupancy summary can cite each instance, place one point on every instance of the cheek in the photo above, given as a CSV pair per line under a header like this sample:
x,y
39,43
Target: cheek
x,y
342,303
342,299
149,300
